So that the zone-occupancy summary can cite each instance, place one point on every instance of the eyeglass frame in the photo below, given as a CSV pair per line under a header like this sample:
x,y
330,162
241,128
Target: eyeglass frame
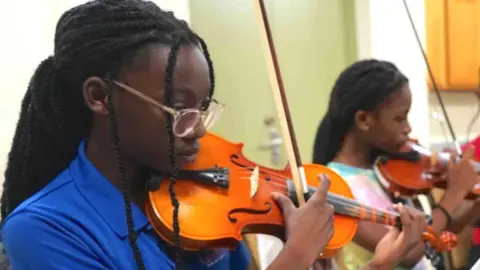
x,y
174,112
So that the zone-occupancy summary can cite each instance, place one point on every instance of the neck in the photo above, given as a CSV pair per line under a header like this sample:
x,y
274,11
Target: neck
x,y
352,208
102,155
354,153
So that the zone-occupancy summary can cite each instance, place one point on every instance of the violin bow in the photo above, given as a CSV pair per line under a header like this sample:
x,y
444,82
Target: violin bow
x,y
280,100
432,79
448,259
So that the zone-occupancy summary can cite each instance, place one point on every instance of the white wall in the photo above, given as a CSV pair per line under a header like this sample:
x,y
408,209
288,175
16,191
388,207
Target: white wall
x,y
384,32
27,38
461,108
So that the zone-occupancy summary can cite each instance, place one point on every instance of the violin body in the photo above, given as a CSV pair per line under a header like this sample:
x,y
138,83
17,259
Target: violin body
x,y
213,217
407,173
406,176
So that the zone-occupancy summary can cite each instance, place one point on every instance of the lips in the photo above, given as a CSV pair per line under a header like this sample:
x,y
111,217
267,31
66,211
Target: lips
x,y
188,153
191,152
189,156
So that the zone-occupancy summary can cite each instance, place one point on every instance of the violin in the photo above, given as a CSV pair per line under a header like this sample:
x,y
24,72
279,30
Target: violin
x,y
407,172
227,195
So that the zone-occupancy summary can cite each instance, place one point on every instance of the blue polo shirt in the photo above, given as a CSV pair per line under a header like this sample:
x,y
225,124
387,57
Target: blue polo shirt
x,y
78,222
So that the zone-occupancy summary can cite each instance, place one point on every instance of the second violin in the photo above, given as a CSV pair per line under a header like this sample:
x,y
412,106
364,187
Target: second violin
x,y
407,173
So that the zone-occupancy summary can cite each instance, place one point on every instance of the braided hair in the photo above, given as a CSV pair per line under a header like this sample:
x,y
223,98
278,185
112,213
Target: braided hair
x,y
362,86
97,38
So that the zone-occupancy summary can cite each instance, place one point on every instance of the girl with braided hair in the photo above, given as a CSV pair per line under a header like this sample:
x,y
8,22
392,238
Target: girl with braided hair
x,y
123,100
367,115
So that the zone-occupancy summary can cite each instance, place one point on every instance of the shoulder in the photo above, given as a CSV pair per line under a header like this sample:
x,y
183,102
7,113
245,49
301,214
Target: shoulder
x,y
59,204
49,206
363,184
46,225
351,174
22,228
31,240
342,169
61,187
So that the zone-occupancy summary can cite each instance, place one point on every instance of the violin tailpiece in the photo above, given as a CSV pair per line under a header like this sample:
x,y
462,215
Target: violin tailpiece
x,y
218,177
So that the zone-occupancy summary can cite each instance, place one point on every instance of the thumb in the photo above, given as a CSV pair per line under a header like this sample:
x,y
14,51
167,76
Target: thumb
x,y
284,202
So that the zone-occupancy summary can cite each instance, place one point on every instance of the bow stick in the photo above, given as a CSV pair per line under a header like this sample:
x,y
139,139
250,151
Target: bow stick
x,y
432,79
281,104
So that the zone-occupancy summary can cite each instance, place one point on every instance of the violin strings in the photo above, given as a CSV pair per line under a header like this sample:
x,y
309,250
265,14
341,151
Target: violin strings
x,y
354,208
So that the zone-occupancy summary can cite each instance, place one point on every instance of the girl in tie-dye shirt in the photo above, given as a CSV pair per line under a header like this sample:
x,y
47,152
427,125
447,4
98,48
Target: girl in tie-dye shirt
x,y
367,113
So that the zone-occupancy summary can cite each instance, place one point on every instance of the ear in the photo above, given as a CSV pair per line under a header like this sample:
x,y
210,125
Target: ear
x,y
363,120
95,95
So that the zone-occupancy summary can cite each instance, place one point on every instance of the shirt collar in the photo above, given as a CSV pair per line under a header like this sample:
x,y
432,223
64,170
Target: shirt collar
x,y
103,196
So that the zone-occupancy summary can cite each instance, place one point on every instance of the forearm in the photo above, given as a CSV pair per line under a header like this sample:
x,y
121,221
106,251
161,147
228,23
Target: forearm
x,y
439,223
468,212
450,202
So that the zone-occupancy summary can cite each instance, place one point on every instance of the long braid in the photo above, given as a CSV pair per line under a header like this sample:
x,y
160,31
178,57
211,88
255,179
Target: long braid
x,y
93,39
172,59
170,69
210,68
132,235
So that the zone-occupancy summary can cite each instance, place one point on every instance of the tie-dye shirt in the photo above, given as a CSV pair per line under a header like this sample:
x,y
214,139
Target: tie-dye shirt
x,y
366,189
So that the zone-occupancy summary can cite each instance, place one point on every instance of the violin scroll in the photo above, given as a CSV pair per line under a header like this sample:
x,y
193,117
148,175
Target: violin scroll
x,y
444,242
448,241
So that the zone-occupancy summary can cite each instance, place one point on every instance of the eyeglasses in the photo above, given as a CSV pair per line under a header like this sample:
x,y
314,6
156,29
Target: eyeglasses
x,y
184,120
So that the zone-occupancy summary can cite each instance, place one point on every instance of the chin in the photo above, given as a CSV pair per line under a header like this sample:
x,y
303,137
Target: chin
x,y
403,146
387,149
395,149
164,165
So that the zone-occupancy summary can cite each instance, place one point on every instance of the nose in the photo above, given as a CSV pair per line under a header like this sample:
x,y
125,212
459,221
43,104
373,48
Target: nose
x,y
407,128
198,132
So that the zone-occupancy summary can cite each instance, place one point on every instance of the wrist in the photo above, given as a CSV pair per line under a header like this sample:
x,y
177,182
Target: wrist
x,y
450,200
445,212
442,219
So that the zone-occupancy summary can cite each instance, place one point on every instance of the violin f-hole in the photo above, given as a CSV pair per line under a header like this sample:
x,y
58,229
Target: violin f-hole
x,y
249,211
233,159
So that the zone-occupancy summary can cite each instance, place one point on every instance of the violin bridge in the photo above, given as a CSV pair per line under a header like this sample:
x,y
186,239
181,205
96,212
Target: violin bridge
x,y
254,179
434,159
